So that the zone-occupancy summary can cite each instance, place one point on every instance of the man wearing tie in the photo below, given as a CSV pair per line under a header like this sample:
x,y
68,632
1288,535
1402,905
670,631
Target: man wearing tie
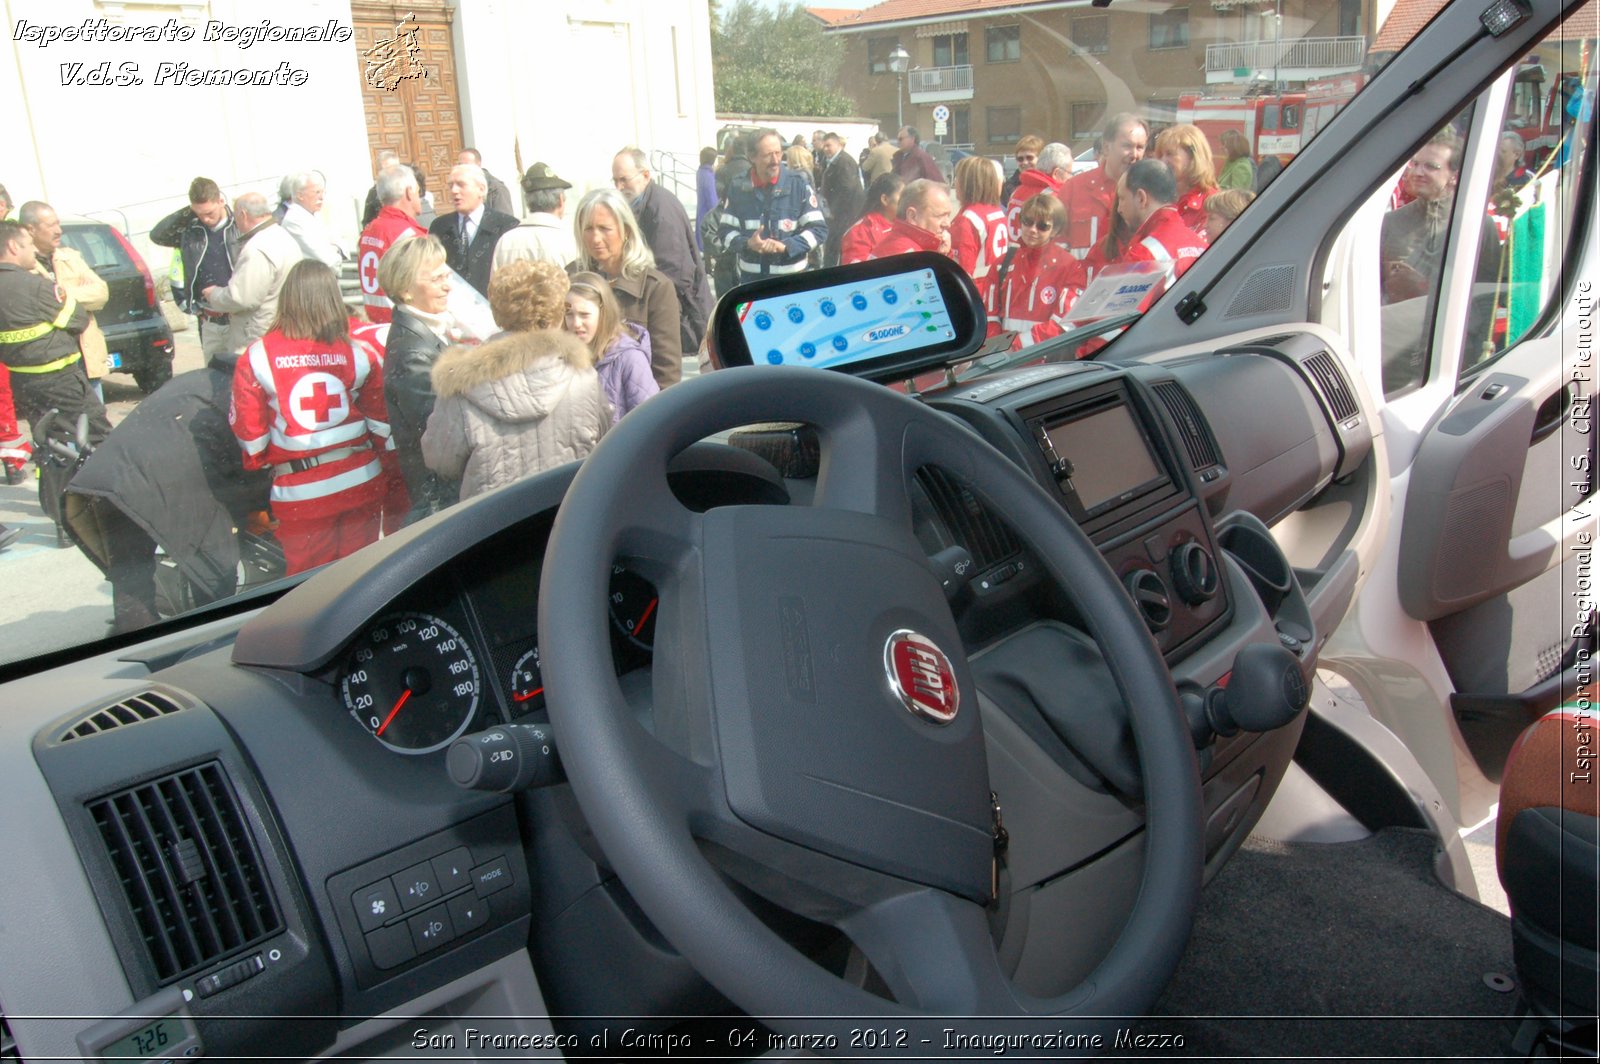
x,y
471,232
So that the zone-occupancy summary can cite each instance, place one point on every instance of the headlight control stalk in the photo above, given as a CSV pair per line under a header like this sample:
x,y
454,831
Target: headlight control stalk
x,y
505,759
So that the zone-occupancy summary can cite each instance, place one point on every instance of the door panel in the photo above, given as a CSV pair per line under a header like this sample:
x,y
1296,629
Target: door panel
x,y
1498,523
1485,511
1494,526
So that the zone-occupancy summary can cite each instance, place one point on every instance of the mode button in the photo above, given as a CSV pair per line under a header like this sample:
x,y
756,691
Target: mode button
x,y
488,878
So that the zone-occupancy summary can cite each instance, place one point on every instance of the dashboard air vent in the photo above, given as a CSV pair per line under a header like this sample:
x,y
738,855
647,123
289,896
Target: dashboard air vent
x,y
191,871
986,537
1197,442
1325,371
136,709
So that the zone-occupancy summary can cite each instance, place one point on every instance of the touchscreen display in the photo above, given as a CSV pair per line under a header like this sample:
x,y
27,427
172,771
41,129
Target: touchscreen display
x,y
848,323
1108,455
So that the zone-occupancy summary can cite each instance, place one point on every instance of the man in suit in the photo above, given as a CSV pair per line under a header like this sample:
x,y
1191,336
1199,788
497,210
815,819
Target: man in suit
x,y
471,231
844,197
499,197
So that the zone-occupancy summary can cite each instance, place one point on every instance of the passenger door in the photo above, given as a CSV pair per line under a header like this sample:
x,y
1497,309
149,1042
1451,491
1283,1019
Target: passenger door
x,y
1487,375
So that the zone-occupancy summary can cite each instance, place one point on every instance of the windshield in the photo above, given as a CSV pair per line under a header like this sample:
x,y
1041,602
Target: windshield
x,y
330,212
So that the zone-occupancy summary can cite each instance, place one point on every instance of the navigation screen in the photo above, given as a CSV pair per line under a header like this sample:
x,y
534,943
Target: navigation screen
x,y
848,323
1108,456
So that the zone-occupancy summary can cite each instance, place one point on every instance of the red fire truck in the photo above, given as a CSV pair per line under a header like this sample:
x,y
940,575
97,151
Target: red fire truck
x,y
1275,124
1538,108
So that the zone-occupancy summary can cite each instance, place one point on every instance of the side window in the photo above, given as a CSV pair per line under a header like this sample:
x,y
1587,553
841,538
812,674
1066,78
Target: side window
x,y
1540,174
1542,177
95,245
1411,253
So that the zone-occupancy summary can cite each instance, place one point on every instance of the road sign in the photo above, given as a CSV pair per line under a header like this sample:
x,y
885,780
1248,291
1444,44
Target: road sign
x,y
941,113
940,127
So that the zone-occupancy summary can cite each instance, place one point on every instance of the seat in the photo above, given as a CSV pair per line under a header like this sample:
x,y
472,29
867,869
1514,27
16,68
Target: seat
x,y
1548,853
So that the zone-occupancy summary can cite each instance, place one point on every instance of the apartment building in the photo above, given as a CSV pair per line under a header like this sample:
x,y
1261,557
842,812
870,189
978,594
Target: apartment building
x,y
1060,68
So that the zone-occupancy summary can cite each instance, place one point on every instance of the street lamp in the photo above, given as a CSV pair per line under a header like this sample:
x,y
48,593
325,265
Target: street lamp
x,y
899,63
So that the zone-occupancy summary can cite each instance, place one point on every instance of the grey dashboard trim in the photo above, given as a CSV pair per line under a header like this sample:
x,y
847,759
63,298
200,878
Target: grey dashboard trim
x,y
501,1000
55,963
306,627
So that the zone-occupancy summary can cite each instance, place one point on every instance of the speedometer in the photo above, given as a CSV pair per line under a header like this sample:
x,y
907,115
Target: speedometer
x,y
412,682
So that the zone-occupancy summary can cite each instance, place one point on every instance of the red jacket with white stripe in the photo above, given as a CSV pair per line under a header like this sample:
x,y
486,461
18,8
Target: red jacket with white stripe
x,y
311,411
1029,185
903,238
1039,288
979,238
1090,198
1164,238
861,238
390,227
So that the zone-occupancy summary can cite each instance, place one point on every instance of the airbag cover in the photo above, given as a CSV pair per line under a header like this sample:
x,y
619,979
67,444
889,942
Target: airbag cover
x,y
818,743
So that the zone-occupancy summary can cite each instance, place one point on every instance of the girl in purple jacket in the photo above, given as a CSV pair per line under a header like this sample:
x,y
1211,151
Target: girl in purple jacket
x,y
621,348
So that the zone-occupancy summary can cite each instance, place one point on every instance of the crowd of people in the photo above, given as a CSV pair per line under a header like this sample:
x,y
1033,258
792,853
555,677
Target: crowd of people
x,y
1032,242
344,428
348,428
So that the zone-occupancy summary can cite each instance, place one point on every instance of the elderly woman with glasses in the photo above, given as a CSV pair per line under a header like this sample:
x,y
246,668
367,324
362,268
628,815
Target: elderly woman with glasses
x,y
1041,279
611,244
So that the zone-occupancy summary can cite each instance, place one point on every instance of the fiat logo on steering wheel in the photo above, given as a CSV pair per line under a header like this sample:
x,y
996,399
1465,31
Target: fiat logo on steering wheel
x,y
921,677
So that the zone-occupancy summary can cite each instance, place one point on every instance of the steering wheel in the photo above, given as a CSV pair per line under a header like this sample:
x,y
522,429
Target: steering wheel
x,y
814,733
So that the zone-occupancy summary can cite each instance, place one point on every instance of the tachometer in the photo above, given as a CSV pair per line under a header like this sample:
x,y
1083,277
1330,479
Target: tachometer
x,y
412,682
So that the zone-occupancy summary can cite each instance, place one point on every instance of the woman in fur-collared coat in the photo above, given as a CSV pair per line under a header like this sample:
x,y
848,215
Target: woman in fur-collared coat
x,y
524,401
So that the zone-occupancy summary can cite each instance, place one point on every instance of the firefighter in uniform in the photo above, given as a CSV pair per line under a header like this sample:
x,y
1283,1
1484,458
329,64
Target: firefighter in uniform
x,y
67,268
14,449
308,404
397,190
773,221
39,329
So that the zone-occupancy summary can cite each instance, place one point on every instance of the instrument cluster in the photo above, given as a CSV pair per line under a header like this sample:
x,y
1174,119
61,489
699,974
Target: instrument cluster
x,y
462,651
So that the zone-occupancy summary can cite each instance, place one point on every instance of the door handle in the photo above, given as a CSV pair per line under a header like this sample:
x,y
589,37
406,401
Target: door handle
x,y
1554,412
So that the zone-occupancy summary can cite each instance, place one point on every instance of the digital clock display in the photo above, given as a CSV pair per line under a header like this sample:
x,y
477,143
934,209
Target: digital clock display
x,y
158,1028
157,1040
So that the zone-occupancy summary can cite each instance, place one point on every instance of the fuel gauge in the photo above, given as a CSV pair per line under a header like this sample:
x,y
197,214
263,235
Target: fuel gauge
x,y
633,606
526,687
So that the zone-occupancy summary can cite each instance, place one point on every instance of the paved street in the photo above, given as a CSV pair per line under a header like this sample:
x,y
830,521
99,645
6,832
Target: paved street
x,y
34,570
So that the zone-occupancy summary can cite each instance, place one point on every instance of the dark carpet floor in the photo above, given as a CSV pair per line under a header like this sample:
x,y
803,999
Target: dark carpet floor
x,y
1339,952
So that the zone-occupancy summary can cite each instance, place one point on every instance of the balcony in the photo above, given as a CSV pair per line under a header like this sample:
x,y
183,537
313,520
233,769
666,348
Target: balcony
x,y
1296,59
940,84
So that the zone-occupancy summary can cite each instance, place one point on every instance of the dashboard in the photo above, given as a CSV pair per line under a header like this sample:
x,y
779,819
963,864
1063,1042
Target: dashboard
x,y
247,830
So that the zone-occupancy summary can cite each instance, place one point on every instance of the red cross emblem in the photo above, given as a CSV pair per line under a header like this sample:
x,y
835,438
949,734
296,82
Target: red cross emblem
x,y
369,273
318,401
